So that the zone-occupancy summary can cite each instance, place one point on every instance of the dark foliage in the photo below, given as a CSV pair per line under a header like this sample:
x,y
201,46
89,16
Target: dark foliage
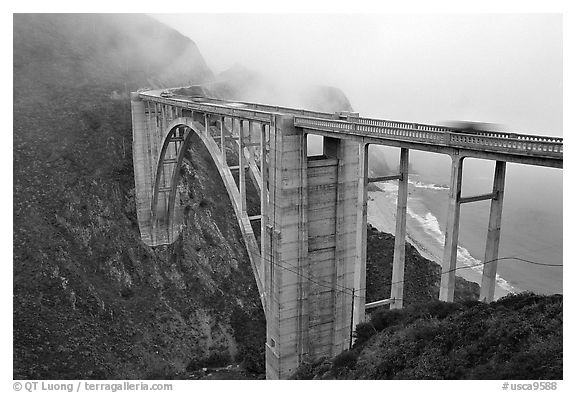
x,y
91,301
517,337
422,277
346,359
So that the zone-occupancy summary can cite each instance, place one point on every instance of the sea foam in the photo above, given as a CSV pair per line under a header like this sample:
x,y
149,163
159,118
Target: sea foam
x,y
430,225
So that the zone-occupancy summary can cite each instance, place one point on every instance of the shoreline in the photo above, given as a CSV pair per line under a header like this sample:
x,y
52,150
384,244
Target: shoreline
x,y
382,215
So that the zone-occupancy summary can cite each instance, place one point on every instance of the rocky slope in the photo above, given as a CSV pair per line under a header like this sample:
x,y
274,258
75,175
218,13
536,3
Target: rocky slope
x,y
422,276
90,299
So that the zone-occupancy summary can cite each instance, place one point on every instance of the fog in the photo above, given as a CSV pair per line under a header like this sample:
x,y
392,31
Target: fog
x,y
497,68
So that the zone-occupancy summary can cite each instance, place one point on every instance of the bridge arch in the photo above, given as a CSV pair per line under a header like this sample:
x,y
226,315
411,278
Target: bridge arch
x,y
164,212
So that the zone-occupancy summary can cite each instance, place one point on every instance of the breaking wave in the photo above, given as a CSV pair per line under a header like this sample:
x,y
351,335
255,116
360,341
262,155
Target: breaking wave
x,y
431,226
437,187
428,222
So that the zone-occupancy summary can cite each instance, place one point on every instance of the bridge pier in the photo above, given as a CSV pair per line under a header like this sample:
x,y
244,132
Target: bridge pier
x,y
144,165
222,141
287,251
397,286
241,166
361,237
312,232
264,198
493,238
448,278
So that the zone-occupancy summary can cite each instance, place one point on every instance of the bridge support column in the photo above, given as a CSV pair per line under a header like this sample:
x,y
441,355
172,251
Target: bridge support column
x,y
493,238
347,154
312,227
397,287
361,237
241,166
448,277
222,141
144,166
264,244
286,342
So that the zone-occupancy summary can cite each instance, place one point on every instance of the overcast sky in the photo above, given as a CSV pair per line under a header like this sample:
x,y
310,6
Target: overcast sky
x,y
499,68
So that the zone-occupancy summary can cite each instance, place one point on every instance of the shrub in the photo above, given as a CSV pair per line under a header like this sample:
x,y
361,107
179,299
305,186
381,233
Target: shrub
x,y
384,319
363,332
346,359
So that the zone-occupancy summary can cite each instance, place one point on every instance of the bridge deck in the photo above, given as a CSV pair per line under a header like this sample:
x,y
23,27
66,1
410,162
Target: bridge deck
x,y
502,146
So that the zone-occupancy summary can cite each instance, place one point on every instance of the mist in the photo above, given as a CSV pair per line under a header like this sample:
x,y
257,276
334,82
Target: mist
x,y
504,69
498,68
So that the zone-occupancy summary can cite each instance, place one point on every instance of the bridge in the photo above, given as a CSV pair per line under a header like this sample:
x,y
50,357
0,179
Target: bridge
x,y
309,260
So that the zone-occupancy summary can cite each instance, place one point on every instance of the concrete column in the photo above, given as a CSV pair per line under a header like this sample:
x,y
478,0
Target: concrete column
x,y
241,169
397,287
222,141
448,277
251,149
361,234
206,124
263,198
347,153
155,133
493,238
289,246
144,168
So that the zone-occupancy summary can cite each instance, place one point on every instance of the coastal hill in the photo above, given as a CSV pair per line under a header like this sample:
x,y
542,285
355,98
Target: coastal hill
x,y
516,337
91,301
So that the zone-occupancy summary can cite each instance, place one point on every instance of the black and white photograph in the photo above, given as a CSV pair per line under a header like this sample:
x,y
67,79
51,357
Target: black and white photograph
x,y
321,194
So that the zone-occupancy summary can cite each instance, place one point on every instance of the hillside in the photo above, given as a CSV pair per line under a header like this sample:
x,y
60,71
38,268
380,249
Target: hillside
x,y
516,337
240,83
91,301
422,276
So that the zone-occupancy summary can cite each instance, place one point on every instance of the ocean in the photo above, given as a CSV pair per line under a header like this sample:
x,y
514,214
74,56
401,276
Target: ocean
x,y
531,223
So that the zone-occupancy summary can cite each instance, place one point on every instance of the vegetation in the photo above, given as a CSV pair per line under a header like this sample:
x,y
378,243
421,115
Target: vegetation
x,y
91,301
422,276
516,337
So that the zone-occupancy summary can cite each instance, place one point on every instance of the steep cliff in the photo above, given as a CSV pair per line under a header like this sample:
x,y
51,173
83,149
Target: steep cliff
x,y
90,300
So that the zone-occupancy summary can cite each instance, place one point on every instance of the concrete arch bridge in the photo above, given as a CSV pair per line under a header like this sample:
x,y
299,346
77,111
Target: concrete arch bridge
x,y
310,262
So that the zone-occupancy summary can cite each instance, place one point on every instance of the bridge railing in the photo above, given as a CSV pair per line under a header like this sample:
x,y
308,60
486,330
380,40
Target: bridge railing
x,y
361,126
531,145
281,109
414,132
217,109
253,111
431,127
